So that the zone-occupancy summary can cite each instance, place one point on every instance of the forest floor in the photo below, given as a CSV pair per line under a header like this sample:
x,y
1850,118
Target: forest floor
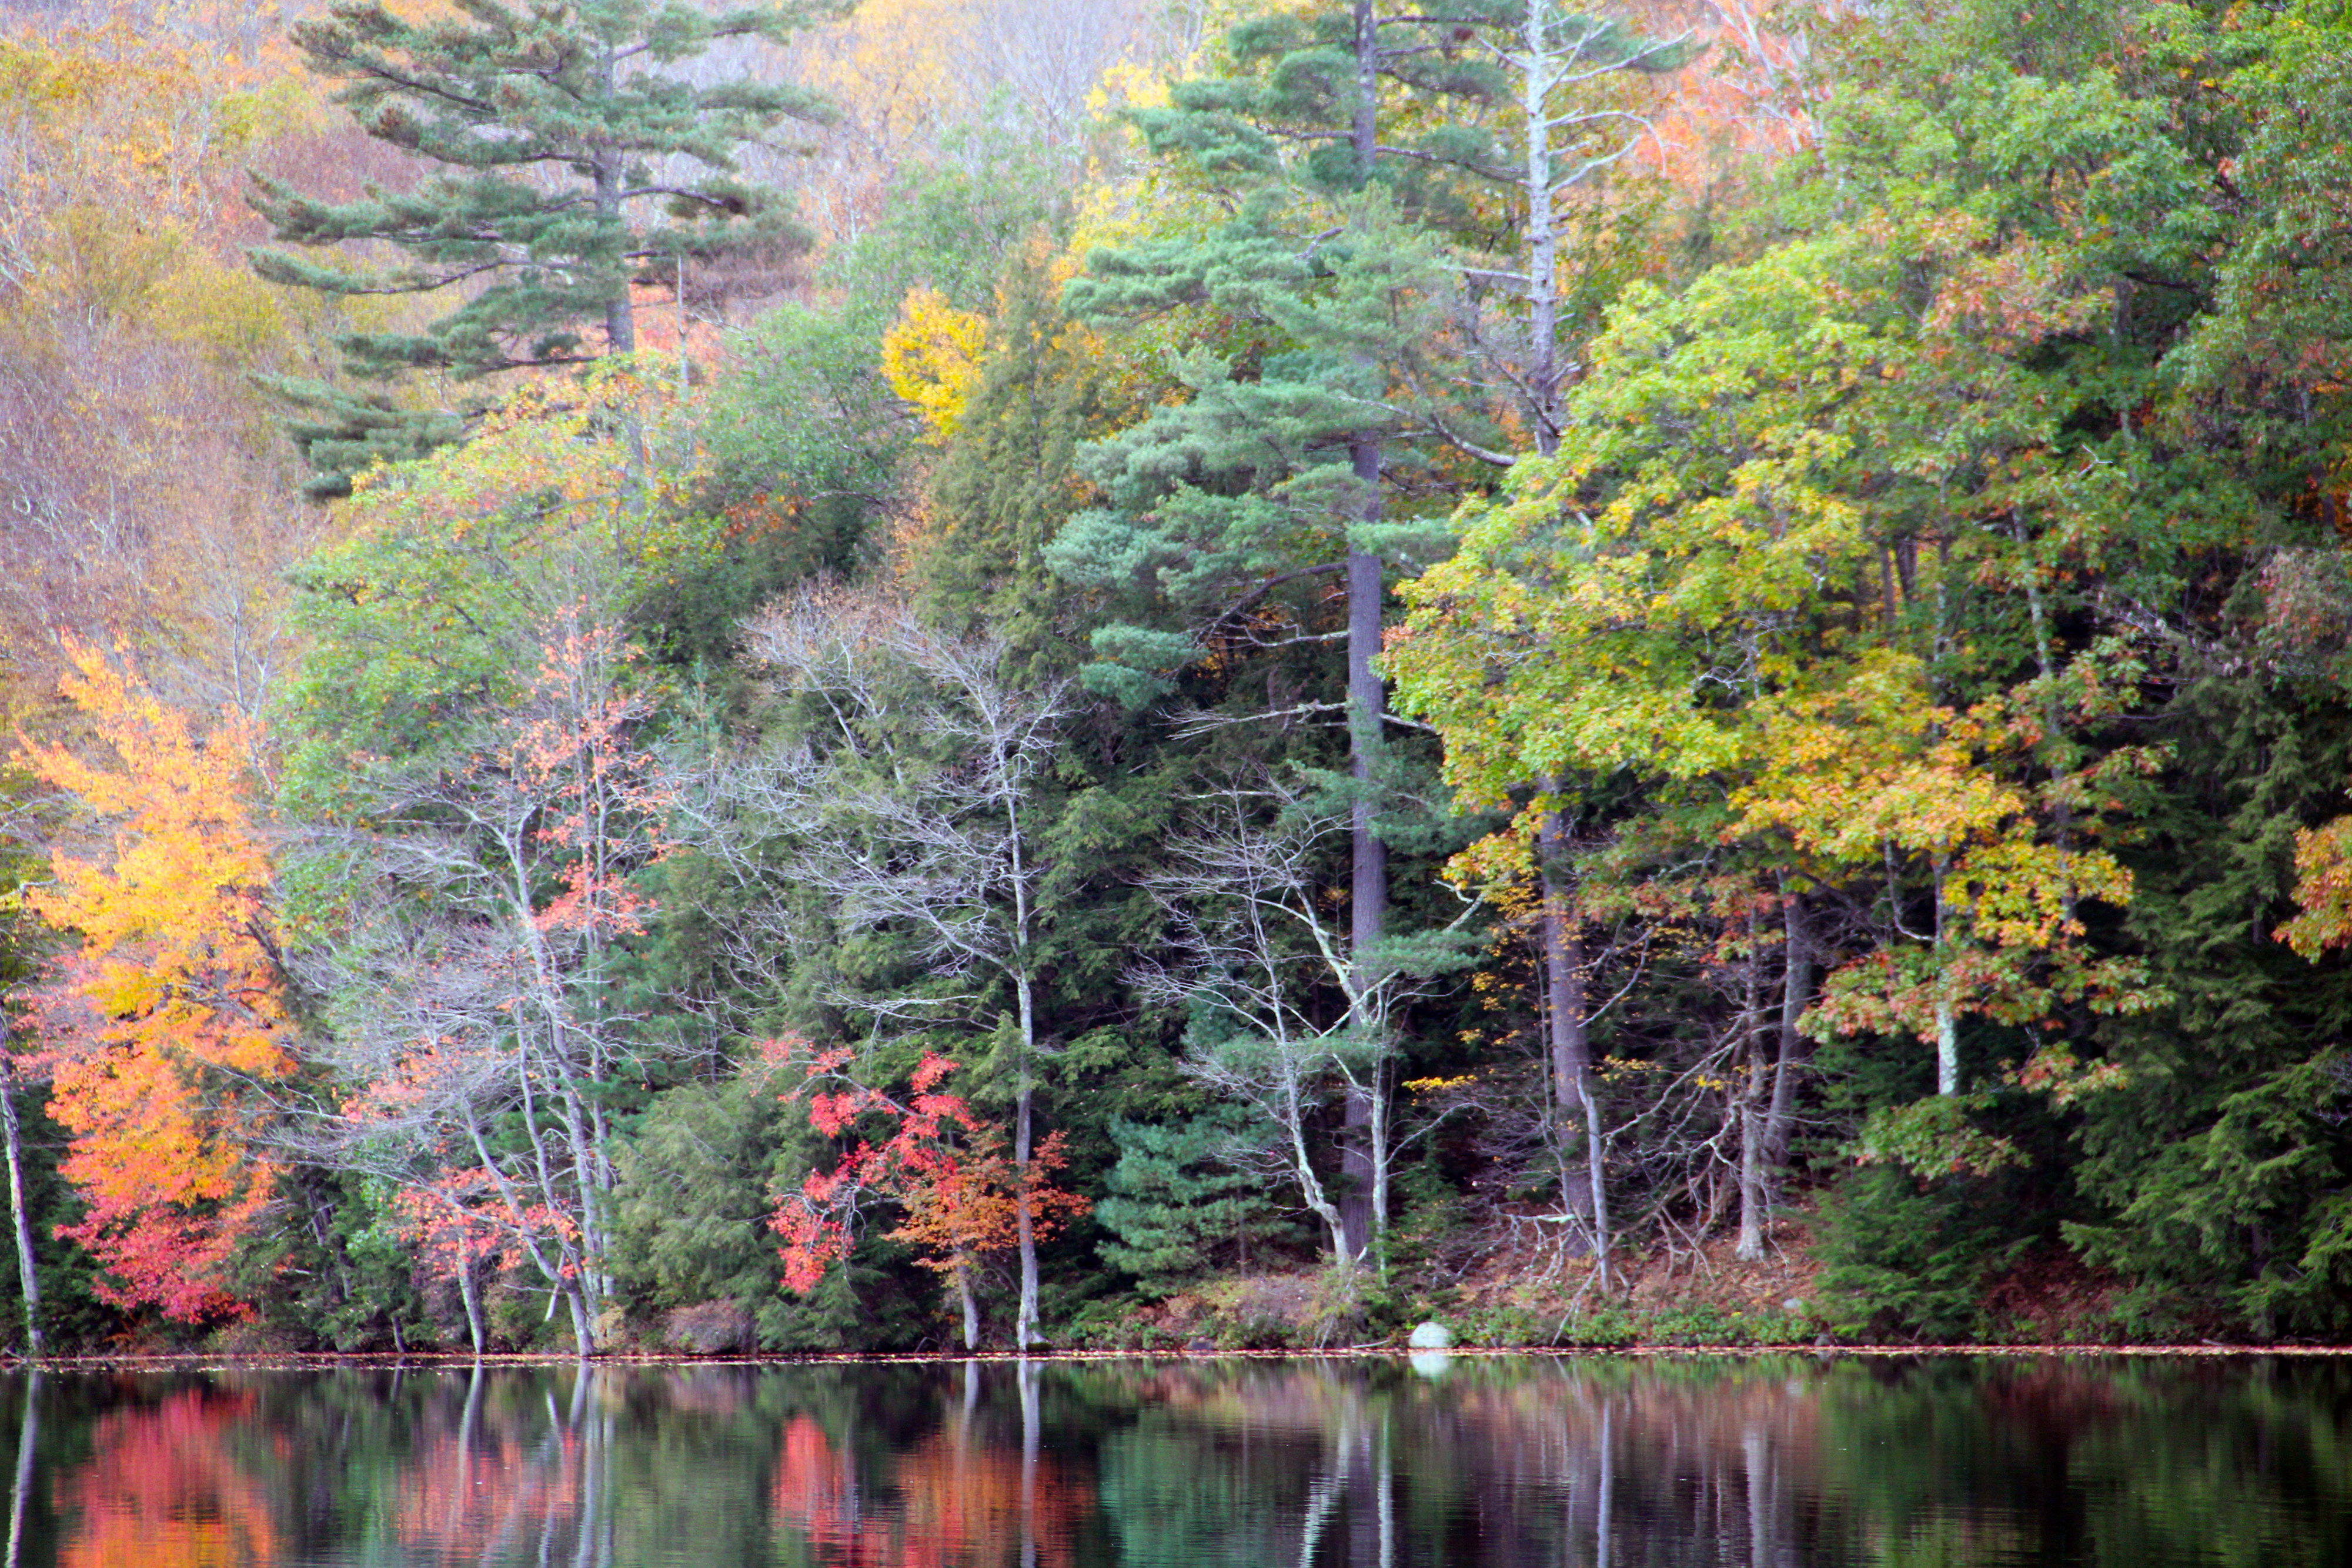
x,y
1529,1295
1522,1293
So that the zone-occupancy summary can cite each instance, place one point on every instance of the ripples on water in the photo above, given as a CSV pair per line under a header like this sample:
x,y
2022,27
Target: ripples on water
x,y
1764,1463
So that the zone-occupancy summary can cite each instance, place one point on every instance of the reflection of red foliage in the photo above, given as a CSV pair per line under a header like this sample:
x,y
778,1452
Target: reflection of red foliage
x,y
949,1500
454,1496
161,1492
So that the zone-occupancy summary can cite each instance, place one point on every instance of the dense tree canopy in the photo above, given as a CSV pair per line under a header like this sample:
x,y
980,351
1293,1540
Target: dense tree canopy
x,y
1399,662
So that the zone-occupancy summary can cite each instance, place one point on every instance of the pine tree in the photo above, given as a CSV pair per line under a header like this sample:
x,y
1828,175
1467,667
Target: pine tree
x,y
1354,148
1174,1197
561,131
1273,470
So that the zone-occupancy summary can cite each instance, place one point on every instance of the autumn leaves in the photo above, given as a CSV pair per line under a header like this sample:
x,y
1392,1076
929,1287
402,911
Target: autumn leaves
x,y
177,976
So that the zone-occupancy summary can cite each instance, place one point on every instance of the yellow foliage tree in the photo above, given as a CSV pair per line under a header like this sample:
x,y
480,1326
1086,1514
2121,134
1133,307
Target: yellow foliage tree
x,y
931,355
173,1005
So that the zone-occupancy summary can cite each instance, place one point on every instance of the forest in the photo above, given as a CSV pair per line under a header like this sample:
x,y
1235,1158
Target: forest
x,y
1149,674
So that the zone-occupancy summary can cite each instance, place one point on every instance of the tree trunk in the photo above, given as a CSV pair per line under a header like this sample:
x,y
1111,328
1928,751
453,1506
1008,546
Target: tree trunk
x,y
29,1268
1947,1020
1543,232
554,1272
583,1326
620,322
620,315
970,1306
1369,866
1755,1184
469,1293
1293,1117
1796,994
1025,1218
1368,879
1581,1191
1025,1323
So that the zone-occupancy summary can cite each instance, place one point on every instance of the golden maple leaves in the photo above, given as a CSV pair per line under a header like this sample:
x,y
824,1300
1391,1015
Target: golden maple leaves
x,y
174,1003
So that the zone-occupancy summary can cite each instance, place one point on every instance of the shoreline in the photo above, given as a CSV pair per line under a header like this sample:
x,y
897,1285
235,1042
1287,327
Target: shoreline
x,y
328,1361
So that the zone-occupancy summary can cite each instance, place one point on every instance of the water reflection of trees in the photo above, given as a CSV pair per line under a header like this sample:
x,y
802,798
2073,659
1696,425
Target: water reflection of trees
x,y
1761,1463
1750,1463
1551,1462
958,1495
164,1491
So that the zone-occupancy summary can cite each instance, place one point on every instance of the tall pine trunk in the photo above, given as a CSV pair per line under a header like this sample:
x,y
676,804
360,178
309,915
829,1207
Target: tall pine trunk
x,y
620,319
1360,1202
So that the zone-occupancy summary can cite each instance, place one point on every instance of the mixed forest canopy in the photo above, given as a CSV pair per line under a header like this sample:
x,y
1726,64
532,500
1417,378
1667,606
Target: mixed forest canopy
x,y
820,675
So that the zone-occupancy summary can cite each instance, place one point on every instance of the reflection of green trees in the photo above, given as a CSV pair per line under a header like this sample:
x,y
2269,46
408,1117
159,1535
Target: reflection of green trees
x,y
2119,1465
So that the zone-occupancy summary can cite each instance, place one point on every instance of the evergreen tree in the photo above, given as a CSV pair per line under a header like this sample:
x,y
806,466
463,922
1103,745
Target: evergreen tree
x,y
1273,470
559,129
1173,1199
1008,482
1350,144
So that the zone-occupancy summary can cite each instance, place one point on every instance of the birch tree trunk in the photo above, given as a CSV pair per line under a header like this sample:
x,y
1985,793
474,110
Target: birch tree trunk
x,y
29,1268
469,1292
1948,1018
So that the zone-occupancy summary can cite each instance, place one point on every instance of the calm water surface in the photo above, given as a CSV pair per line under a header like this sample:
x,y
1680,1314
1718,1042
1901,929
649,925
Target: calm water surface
x,y
1760,1462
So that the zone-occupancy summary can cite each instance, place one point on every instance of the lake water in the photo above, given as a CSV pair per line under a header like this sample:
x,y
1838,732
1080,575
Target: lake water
x,y
1763,1462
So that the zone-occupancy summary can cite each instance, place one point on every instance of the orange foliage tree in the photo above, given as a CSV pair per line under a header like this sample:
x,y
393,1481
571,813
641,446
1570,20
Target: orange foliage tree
x,y
173,1006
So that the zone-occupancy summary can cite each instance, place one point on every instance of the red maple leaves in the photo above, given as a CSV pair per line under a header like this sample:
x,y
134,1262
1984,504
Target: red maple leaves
x,y
949,1171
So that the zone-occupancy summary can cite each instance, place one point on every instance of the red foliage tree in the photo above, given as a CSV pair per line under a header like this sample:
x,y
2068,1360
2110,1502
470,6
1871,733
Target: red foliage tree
x,y
960,1191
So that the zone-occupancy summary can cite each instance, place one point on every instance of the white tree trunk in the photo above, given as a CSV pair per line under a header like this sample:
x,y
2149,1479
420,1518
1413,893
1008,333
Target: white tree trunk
x,y
29,1268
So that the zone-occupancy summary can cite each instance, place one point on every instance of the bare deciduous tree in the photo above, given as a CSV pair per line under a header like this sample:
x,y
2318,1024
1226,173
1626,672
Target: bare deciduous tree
x,y
903,804
1286,1005
473,979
